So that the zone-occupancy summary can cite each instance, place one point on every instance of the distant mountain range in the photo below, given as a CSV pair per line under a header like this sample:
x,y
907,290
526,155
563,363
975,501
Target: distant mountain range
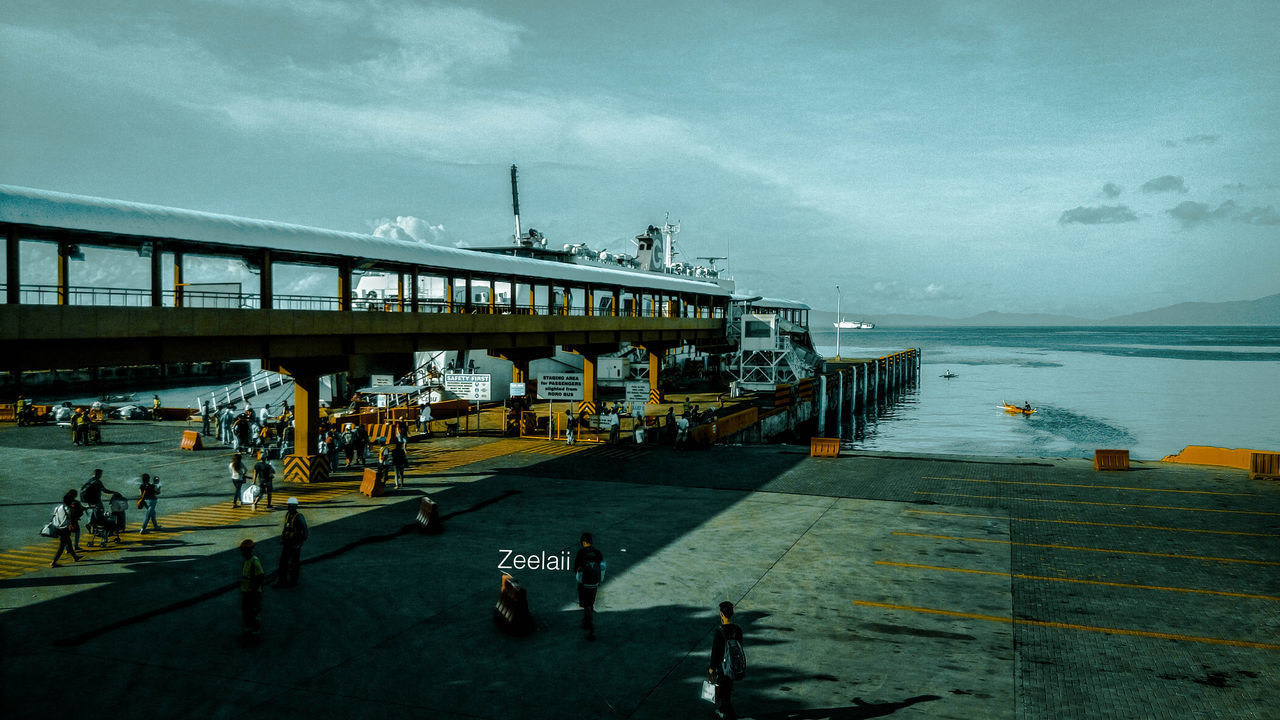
x,y
1263,311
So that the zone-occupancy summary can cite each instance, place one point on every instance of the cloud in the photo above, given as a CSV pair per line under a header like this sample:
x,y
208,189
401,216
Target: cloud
x,y
1165,183
897,290
1103,214
1111,190
1191,214
411,229
1197,139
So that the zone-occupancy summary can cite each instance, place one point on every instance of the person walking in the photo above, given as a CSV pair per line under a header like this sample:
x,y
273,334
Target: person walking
x,y
291,539
349,444
362,444
424,419
588,568
727,661
206,414
399,461
147,498
61,523
236,466
264,477
570,428
251,579
155,407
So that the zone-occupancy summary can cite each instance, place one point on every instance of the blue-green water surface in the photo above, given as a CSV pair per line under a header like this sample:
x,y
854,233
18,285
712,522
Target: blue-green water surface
x,y
1152,390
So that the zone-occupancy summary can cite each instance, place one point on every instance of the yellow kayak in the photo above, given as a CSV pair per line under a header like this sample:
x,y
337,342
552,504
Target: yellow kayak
x,y
1016,409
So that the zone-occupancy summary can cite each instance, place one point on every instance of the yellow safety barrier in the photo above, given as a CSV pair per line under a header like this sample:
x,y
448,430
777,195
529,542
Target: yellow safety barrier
x,y
824,447
1264,465
1110,459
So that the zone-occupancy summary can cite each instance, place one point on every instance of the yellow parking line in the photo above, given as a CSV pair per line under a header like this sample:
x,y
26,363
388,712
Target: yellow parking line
x,y
1071,626
1089,549
1084,485
1100,524
1023,576
1087,502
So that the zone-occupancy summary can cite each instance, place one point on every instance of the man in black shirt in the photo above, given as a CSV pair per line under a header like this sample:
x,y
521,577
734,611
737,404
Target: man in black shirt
x,y
588,567
724,683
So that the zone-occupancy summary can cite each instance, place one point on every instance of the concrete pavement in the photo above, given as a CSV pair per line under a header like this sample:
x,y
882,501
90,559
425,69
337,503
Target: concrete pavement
x,y
866,586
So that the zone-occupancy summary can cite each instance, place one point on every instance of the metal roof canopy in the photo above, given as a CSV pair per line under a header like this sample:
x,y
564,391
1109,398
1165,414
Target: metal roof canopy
x,y
230,235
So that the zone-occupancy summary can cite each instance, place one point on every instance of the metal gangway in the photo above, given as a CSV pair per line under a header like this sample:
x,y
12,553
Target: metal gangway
x,y
245,390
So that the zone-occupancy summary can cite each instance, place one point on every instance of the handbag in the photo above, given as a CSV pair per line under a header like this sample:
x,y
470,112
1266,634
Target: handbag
x,y
48,531
708,691
250,494
141,502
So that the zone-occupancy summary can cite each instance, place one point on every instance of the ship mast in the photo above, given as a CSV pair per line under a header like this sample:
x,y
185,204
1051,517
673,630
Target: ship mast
x,y
515,202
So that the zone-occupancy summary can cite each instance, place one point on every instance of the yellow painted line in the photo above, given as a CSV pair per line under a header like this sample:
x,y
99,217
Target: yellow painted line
x,y
1079,581
1088,502
1089,549
1100,524
1071,626
1085,485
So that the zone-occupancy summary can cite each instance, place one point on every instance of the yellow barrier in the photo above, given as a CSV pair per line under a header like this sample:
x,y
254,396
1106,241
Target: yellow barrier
x,y
1223,457
824,447
1110,459
191,441
1264,465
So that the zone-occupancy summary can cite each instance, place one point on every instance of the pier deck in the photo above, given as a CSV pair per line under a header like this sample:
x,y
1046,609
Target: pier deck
x,y
941,587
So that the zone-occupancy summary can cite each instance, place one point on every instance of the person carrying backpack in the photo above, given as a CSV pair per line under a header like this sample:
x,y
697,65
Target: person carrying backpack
x,y
588,567
728,661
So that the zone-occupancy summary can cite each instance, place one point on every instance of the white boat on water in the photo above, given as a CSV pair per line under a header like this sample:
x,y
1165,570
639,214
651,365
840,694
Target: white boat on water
x,y
854,325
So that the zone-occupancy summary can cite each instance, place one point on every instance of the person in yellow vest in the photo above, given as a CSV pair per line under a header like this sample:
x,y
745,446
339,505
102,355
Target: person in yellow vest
x,y
20,410
155,407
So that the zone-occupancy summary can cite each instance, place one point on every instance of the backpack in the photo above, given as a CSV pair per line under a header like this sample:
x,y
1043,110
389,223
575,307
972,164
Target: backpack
x,y
734,663
348,438
591,573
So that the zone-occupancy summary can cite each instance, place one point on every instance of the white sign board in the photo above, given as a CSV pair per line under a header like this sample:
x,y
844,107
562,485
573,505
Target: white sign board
x,y
381,381
517,389
382,401
638,392
560,386
472,387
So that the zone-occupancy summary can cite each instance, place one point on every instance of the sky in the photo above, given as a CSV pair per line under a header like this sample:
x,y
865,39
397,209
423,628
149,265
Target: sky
x,y
943,158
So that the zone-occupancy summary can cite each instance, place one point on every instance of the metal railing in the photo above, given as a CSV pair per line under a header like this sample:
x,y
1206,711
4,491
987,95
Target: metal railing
x,y
142,297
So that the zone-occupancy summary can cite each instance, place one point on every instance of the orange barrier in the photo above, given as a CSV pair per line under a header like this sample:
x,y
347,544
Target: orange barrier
x,y
8,412
191,441
429,517
1110,459
1204,455
824,447
371,483
511,613
1264,466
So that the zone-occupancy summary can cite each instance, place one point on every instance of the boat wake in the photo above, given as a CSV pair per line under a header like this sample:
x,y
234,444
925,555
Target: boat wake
x,y
1053,426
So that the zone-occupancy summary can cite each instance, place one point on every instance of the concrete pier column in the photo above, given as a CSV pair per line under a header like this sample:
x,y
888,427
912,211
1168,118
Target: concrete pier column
x,y
12,267
589,393
302,465
840,404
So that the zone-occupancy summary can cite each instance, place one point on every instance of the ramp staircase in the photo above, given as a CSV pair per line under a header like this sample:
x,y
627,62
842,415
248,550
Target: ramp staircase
x,y
245,390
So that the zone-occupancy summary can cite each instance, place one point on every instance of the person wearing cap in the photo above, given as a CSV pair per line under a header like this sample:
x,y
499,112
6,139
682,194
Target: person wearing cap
x,y
251,578
588,568
291,540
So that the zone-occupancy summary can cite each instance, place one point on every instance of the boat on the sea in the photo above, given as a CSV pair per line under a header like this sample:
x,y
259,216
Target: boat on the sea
x,y
854,325
948,374
1018,410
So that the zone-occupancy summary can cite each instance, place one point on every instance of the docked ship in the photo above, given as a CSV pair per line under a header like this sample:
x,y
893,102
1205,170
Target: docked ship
x,y
854,325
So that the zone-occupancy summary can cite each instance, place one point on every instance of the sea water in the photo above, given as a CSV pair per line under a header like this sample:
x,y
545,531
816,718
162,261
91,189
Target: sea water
x,y
1151,390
